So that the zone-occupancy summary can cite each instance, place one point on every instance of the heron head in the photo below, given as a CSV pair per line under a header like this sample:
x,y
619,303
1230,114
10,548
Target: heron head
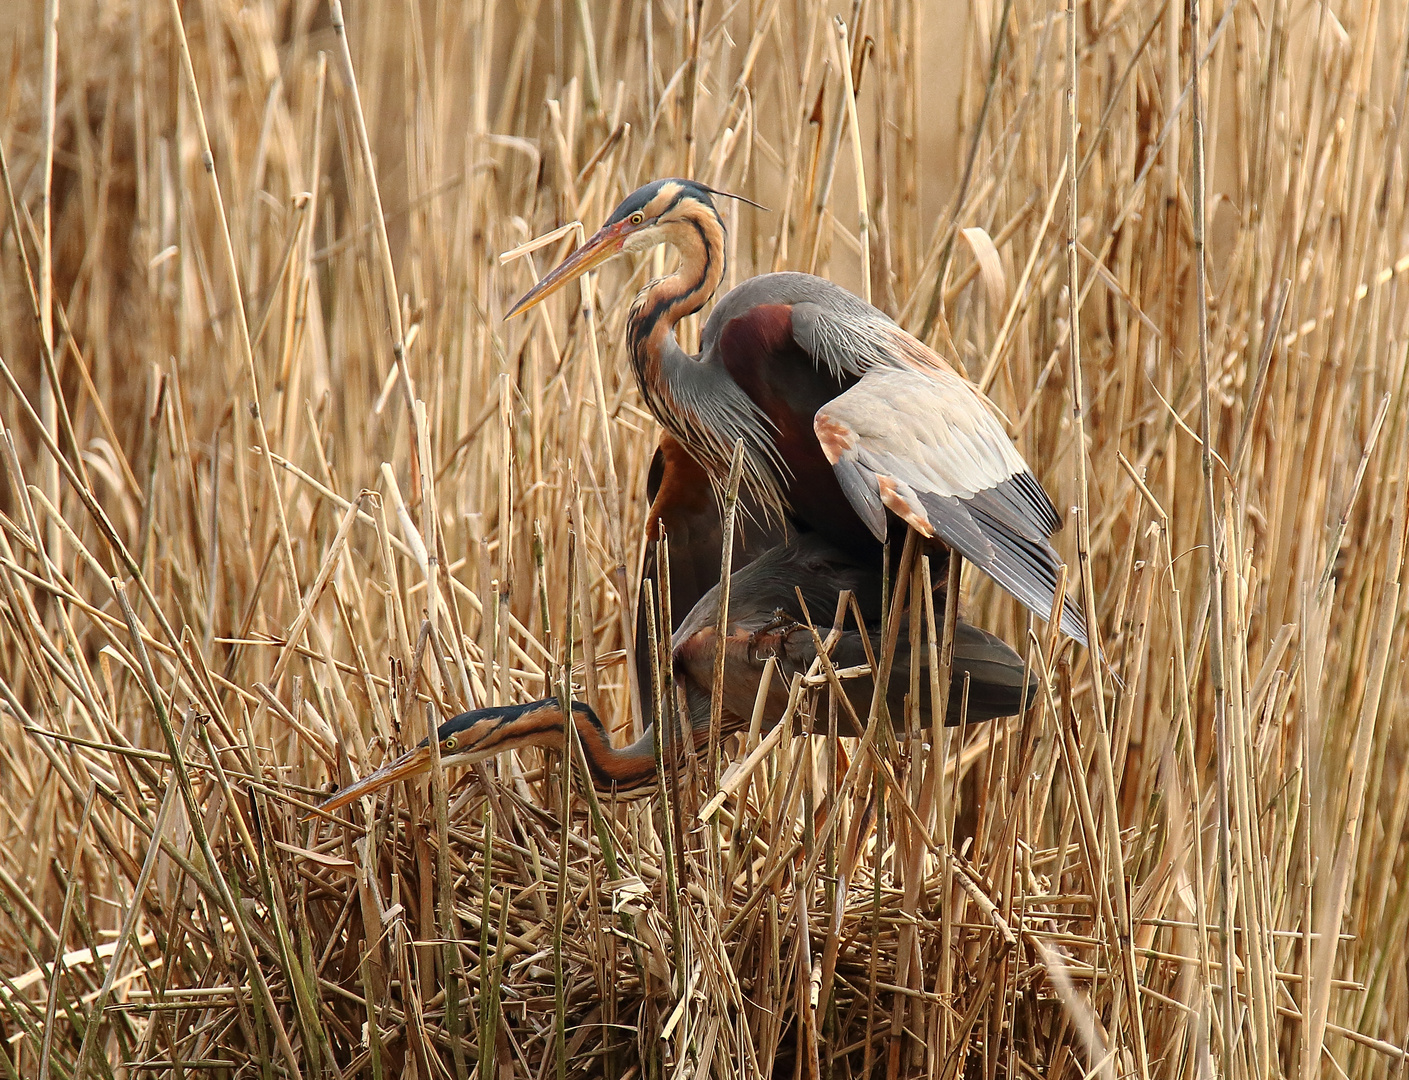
x,y
457,747
663,211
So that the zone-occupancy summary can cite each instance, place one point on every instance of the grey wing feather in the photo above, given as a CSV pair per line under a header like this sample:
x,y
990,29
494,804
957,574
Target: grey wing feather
x,y
860,490
1028,569
996,676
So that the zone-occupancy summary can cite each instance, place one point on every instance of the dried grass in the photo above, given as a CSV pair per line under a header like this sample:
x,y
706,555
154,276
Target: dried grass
x,y
301,492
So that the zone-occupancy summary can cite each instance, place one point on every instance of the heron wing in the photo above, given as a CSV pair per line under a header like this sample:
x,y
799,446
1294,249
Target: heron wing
x,y
999,683
921,442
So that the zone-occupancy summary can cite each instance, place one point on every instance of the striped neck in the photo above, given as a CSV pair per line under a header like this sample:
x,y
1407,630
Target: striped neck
x,y
628,770
698,402
650,329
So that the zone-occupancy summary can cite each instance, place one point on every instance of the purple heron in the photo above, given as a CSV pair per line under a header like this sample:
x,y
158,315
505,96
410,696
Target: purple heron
x,y
851,427
765,620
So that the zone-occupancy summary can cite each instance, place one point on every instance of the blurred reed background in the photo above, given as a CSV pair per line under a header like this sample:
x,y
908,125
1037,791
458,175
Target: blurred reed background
x,y
280,496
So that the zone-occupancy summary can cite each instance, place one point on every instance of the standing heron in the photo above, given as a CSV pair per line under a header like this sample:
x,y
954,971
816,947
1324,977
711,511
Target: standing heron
x,y
851,427
765,620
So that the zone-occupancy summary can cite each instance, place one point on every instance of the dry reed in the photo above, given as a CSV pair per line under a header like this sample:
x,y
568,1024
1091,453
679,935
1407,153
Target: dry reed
x,y
281,489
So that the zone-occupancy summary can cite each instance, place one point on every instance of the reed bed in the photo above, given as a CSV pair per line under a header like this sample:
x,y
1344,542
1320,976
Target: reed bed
x,y
281,489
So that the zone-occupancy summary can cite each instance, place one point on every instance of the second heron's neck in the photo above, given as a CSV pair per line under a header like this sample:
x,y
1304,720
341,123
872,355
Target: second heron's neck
x,y
628,770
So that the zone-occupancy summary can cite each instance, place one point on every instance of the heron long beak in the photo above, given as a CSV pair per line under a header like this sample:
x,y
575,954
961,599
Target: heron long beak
x,y
412,763
598,248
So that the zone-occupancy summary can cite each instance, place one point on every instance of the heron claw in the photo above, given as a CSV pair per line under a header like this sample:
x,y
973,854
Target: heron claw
x,y
769,638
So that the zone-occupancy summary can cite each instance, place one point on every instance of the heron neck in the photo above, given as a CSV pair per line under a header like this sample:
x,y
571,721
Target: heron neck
x,y
655,353
627,769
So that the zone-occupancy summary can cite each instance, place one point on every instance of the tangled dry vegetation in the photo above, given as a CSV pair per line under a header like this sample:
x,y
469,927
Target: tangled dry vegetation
x,y
288,501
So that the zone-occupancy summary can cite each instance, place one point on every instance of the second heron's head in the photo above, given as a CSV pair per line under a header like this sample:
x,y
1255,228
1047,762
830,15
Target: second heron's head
x,y
674,211
464,739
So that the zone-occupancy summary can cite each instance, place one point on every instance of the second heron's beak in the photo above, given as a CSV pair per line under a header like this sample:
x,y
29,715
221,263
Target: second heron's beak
x,y
597,249
412,763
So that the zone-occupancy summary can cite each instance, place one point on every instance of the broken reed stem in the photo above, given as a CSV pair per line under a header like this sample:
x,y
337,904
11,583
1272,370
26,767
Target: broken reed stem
x,y
489,1013
445,897
50,389
726,569
565,810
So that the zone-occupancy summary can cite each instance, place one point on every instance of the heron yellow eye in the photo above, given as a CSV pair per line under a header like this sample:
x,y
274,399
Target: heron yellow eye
x,y
449,744
637,218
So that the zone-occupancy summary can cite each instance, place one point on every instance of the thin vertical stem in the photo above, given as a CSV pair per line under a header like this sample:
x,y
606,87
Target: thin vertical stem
x,y
565,810
1114,862
49,390
842,50
232,267
1216,638
721,622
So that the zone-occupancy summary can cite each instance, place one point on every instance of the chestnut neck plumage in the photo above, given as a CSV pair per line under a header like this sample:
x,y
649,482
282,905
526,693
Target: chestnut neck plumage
x,y
627,770
694,397
656,355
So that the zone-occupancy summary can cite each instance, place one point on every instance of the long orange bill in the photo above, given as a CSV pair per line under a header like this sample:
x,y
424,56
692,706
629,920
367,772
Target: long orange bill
x,y
412,763
597,249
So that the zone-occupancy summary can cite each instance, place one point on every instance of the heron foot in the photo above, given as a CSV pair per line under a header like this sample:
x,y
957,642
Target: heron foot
x,y
770,639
